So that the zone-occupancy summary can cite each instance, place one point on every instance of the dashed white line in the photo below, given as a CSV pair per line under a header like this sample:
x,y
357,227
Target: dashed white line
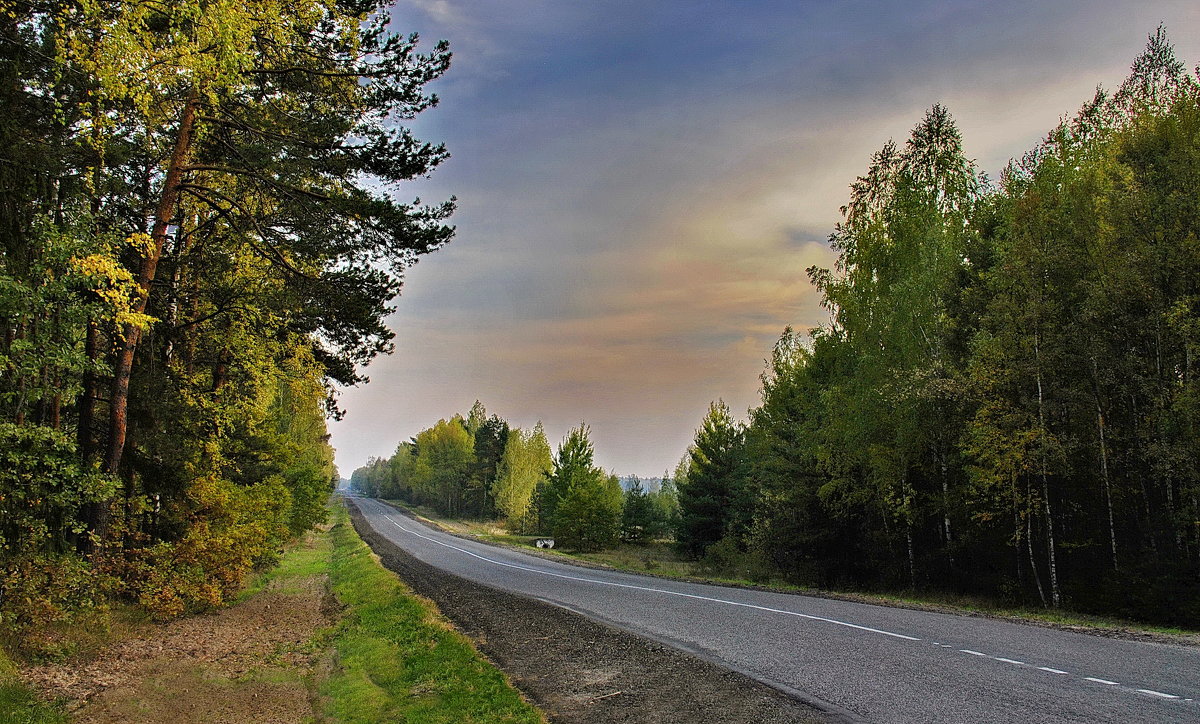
x,y
1151,692
650,589
972,652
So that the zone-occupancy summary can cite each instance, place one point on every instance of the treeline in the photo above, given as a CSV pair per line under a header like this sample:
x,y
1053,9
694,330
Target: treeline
x,y
1005,401
197,239
481,467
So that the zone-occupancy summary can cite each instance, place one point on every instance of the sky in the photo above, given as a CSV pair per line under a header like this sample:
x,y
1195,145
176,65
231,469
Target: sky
x,y
641,186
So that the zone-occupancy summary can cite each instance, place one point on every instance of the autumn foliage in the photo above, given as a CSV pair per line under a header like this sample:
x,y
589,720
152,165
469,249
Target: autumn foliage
x,y
199,236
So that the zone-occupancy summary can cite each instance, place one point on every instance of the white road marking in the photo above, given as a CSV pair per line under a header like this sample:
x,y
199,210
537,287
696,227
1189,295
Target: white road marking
x,y
652,590
1158,693
1106,682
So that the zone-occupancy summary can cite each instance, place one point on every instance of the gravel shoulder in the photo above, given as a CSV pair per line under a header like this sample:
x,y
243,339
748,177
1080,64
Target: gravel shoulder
x,y
581,671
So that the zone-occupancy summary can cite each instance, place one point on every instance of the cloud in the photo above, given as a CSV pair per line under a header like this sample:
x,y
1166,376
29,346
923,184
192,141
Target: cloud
x,y
642,188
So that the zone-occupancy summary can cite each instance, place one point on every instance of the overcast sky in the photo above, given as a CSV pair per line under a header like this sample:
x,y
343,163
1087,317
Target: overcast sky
x,y
642,184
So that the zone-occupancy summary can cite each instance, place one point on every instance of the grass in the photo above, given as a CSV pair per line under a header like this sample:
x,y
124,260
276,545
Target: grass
x,y
397,658
297,561
19,704
389,656
660,559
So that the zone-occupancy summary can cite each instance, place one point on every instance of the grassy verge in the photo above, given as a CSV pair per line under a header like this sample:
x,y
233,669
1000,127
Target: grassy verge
x,y
397,659
19,704
660,559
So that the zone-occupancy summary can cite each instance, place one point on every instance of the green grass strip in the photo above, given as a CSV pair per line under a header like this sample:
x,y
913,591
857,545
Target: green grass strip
x,y
397,659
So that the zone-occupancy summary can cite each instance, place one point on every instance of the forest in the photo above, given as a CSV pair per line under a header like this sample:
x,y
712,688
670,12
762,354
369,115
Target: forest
x,y
1002,403
199,239
480,467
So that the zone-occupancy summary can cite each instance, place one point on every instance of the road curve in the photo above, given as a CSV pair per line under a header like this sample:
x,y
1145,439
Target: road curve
x,y
859,661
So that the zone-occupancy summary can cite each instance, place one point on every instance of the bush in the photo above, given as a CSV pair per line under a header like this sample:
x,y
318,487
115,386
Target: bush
x,y
41,594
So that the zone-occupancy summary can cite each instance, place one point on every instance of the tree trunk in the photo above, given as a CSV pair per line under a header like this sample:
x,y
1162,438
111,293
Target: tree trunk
x,y
1037,577
912,561
1052,560
167,204
949,535
1017,536
1112,530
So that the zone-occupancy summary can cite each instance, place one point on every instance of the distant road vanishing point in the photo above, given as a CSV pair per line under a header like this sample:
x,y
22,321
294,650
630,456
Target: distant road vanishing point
x,y
857,661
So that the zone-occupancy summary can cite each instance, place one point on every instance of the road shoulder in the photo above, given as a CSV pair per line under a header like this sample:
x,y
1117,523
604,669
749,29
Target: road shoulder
x,y
578,670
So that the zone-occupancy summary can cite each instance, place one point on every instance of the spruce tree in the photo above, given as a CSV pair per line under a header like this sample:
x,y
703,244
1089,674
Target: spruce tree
x,y
712,489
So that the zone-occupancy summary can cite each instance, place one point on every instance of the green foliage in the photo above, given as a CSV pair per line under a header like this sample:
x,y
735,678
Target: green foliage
x,y
525,464
238,528
643,517
445,453
714,500
199,234
491,439
581,505
1004,401
42,489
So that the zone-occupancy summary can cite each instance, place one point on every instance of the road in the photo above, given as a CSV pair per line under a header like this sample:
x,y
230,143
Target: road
x,y
858,661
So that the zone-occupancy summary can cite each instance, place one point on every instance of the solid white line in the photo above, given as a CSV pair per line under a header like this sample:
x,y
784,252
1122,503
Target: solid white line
x,y
1158,693
649,589
748,605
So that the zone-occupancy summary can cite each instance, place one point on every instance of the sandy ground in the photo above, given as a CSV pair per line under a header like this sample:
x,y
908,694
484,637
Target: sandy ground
x,y
247,663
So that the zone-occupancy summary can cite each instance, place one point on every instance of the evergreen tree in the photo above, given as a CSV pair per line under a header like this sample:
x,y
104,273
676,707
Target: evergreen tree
x,y
714,483
580,504
641,519
491,438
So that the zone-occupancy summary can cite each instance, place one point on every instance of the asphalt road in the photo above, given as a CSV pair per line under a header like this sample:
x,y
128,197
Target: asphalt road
x,y
862,662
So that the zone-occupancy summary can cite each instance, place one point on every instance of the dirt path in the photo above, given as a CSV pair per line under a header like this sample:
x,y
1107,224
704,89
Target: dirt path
x,y
580,671
247,663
